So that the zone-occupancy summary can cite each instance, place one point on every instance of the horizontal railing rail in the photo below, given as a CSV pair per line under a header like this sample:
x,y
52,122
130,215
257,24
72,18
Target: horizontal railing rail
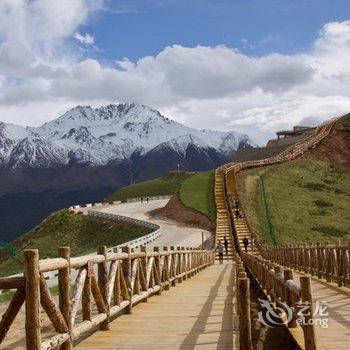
x,y
329,262
151,198
285,293
106,285
133,244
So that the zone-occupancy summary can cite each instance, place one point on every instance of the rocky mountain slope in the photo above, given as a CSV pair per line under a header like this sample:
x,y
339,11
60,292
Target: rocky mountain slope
x,y
99,136
87,153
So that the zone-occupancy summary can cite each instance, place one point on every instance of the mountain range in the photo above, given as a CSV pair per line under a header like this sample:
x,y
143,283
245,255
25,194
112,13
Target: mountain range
x,y
87,153
102,135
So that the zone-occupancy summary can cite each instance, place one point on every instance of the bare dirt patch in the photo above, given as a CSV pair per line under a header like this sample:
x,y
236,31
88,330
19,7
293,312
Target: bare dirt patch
x,y
177,211
335,148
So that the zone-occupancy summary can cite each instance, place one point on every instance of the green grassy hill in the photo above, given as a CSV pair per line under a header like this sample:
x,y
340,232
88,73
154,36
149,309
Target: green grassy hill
x,y
165,185
303,201
81,233
197,192
84,234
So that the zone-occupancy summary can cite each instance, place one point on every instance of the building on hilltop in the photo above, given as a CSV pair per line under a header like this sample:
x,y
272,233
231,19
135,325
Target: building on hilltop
x,y
285,138
290,137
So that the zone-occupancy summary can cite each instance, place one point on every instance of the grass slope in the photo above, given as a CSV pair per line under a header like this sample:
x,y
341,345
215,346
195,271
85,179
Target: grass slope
x,y
62,228
297,202
197,192
165,185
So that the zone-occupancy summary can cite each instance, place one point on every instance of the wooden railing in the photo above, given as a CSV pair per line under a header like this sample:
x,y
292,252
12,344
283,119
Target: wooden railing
x,y
106,285
277,284
283,291
289,153
330,262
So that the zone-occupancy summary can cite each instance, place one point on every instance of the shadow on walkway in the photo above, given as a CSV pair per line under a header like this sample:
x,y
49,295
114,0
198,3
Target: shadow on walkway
x,y
226,334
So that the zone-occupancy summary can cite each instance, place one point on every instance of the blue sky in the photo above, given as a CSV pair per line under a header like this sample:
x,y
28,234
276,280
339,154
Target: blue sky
x,y
253,66
135,29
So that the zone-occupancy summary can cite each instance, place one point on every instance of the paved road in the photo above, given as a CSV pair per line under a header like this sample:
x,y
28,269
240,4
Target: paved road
x,y
173,233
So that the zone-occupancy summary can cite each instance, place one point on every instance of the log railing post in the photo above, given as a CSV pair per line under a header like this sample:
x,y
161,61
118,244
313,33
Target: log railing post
x,y
32,276
184,263
306,297
245,335
166,273
180,265
172,249
103,283
319,260
143,249
328,251
64,293
126,271
338,264
288,275
158,272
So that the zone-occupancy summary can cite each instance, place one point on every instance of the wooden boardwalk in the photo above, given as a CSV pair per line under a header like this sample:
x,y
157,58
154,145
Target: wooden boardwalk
x,y
337,334
196,314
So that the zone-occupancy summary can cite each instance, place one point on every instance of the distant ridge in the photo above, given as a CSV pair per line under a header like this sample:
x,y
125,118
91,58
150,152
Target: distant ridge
x,y
114,132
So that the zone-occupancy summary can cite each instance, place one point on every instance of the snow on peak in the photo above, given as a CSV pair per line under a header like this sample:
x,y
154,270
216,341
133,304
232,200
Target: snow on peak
x,y
180,144
116,131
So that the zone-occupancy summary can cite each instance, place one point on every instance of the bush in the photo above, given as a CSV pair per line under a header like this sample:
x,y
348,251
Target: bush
x,y
316,186
322,203
329,230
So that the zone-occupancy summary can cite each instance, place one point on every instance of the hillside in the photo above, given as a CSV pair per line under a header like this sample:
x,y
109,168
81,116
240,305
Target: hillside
x,y
165,185
81,233
194,190
193,203
197,192
306,200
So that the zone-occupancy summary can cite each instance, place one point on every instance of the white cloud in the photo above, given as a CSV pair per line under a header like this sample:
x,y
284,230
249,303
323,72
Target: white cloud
x,y
42,74
86,39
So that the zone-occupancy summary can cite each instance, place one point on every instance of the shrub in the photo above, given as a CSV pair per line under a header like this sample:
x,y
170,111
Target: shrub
x,y
323,203
329,230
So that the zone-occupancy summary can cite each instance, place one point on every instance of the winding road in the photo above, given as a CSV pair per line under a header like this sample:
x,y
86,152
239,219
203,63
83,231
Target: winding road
x,y
173,232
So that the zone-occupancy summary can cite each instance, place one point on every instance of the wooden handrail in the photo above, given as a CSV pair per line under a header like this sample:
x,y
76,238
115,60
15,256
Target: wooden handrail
x,y
116,282
278,284
282,290
330,262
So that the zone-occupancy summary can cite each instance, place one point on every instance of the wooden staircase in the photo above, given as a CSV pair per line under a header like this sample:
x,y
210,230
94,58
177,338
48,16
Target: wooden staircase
x,y
240,224
223,225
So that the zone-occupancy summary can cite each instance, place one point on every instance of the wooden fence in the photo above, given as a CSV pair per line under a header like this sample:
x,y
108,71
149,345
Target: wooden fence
x,y
290,153
284,293
330,262
278,284
106,285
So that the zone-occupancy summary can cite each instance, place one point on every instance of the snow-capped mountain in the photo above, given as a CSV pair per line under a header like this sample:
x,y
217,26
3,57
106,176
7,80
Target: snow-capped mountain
x,y
84,155
99,136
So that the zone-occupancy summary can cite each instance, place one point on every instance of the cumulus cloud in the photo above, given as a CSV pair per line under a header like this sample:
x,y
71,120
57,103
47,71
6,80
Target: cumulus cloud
x,y
212,87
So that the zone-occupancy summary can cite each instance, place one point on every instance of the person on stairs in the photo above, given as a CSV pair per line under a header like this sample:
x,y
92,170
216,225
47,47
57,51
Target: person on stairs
x,y
252,242
220,248
226,244
245,243
237,213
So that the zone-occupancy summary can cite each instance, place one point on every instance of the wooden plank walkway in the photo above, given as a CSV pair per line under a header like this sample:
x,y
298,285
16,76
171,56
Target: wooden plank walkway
x,y
196,314
337,334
